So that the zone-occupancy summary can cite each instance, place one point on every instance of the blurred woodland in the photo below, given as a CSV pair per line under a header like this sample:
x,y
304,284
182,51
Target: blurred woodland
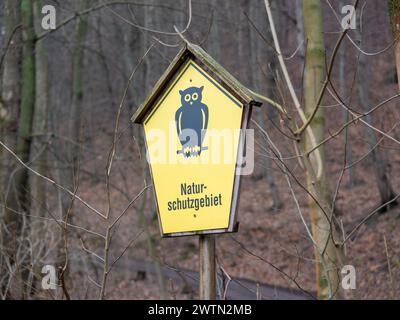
x,y
75,189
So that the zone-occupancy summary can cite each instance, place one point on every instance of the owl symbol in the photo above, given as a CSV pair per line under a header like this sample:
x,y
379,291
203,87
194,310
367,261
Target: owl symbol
x,y
191,122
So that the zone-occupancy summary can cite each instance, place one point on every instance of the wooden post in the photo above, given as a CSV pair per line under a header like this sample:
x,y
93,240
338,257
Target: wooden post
x,y
207,267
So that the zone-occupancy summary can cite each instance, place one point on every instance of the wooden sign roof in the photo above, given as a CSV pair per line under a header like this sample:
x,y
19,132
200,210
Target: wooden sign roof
x,y
188,51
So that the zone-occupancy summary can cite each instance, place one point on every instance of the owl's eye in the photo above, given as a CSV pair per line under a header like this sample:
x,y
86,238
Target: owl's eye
x,y
187,97
195,96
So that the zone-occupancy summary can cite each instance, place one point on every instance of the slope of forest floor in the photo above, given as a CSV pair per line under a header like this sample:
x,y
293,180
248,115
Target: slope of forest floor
x,y
270,247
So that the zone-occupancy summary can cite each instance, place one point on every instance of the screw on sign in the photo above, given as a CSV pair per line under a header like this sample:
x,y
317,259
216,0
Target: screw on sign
x,y
195,121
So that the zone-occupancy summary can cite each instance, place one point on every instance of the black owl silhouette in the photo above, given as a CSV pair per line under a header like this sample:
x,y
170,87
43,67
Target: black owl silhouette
x,y
191,122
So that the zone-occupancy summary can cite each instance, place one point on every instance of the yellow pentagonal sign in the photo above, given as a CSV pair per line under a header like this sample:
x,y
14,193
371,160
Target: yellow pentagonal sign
x,y
193,140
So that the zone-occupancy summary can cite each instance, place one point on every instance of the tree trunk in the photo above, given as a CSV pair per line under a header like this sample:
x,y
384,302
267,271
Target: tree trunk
x,y
73,134
328,255
152,69
10,88
27,99
300,32
69,162
378,158
38,154
40,120
213,42
10,78
263,80
19,200
244,44
151,245
9,105
346,113
394,13
75,122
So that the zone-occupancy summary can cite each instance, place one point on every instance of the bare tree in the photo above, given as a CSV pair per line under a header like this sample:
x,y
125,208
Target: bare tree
x,y
150,20
394,13
346,114
328,254
262,65
20,200
378,158
9,108
10,79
